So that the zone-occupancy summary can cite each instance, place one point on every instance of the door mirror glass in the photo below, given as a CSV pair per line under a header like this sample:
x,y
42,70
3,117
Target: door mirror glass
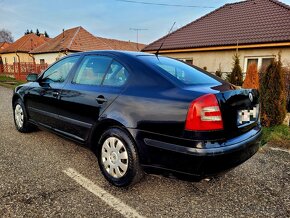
x,y
32,77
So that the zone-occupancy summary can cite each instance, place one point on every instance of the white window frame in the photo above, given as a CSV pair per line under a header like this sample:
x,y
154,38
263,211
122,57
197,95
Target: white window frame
x,y
186,59
260,58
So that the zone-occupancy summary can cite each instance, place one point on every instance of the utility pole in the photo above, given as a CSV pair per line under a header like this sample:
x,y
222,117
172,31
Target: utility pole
x,y
137,31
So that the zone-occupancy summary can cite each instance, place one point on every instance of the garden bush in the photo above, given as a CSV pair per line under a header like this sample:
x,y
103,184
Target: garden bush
x,y
286,71
273,94
219,72
252,77
236,76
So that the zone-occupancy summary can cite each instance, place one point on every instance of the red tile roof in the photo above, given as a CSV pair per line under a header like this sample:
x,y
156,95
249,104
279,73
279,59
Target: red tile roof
x,y
78,39
123,45
4,45
246,22
25,44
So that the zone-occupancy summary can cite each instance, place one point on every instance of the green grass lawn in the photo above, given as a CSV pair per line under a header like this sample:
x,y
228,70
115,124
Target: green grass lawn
x,y
277,136
9,82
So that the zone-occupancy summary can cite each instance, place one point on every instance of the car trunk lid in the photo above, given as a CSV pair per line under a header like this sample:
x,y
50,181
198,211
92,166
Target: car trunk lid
x,y
240,111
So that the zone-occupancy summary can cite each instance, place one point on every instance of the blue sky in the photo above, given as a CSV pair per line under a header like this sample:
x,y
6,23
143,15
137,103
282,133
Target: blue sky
x,y
105,18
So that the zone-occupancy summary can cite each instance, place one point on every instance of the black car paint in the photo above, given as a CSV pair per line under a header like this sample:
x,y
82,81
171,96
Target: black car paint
x,y
153,110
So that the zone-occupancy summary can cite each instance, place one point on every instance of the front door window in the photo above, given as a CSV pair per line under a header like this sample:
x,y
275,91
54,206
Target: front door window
x,y
58,72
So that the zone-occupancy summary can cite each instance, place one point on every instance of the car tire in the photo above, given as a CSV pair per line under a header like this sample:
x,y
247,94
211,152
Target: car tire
x,y
118,158
20,117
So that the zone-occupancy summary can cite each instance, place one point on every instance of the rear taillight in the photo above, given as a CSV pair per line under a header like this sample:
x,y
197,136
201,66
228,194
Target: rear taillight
x,y
204,114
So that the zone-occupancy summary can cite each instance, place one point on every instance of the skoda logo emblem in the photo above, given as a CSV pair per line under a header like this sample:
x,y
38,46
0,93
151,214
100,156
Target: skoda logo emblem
x,y
251,97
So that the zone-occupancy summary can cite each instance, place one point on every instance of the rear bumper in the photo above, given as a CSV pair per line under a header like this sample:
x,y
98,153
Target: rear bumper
x,y
200,162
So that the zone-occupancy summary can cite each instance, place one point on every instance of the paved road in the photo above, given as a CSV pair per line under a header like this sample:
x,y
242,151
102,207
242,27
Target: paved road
x,y
34,183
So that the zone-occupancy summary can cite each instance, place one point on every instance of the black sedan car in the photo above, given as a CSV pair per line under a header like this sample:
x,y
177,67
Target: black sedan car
x,y
140,111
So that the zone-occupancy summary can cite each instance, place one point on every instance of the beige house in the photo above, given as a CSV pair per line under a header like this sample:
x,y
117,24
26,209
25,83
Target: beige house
x,y
257,29
19,50
76,40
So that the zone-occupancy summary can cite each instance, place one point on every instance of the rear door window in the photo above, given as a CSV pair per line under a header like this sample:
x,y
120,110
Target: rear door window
x,y
92,70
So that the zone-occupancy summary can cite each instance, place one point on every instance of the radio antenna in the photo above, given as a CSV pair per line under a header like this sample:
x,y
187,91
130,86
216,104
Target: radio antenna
x,y
157,52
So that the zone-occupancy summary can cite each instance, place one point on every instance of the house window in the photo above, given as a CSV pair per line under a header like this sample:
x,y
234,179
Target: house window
x,y
14,60
252,61
41,61
262,62
265,63
5,60
186,60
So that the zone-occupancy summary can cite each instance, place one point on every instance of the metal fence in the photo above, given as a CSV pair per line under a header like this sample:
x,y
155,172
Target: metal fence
x,y
20,70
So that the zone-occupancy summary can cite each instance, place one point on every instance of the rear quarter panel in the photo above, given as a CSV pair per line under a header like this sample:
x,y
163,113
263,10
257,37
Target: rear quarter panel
x,y
153,110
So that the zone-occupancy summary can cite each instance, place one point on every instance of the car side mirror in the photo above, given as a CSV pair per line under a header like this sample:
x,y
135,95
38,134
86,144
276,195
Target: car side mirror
x,y
32,77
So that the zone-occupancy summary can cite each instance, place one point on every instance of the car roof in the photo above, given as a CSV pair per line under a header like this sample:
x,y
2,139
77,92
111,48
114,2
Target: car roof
x,y
117,53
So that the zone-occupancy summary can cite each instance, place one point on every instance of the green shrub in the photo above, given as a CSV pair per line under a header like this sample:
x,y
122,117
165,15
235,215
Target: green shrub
x,y
219,71
236,76
286,71
273,94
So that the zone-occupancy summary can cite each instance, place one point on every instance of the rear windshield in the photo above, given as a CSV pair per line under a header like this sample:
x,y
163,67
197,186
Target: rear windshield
x,y
174,69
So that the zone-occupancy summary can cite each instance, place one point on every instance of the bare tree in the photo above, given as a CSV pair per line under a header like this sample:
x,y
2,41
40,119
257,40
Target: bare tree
x,y
6,36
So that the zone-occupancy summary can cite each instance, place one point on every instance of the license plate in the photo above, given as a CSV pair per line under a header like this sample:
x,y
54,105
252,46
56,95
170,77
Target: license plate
x,y
248,116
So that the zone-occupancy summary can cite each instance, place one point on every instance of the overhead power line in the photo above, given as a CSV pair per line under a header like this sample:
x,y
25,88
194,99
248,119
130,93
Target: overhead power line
x,y
163,4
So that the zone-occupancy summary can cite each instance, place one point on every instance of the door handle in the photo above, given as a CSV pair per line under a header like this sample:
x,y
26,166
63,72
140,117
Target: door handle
x,y
55,94
101,99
